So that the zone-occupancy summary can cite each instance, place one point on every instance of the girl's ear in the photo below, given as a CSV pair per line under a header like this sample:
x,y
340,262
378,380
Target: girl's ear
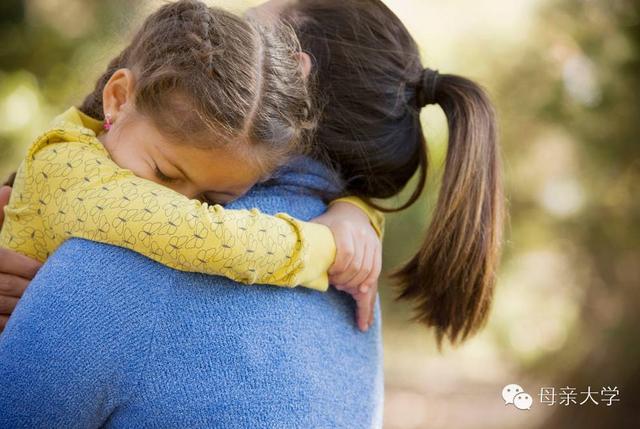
x,y
118,93
305,63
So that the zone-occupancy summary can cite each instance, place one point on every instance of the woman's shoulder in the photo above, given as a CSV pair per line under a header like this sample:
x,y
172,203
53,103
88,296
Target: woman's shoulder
x,y
87,273
300,188
99,267
99,288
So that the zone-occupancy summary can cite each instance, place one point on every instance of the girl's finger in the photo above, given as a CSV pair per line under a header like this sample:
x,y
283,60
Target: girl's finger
x,y
345,249
362,273
354,266
372,303
376,269
362,313
338,286
335,285
351,291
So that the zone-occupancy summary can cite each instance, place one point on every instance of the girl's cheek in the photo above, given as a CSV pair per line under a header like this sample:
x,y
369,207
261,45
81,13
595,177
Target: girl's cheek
x,y
139,164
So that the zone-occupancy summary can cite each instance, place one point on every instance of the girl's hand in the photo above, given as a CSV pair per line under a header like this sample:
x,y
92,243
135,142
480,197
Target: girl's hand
x,y
16,270
358,257
365,304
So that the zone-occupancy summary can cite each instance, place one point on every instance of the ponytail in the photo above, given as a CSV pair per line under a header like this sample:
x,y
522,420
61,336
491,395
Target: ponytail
x,y
452,277
374,86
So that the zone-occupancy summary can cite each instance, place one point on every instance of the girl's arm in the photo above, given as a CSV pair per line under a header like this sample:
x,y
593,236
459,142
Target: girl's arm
x,y
75,190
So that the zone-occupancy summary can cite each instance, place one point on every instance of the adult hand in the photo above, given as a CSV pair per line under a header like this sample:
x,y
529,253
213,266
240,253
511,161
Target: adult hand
x,y
16,270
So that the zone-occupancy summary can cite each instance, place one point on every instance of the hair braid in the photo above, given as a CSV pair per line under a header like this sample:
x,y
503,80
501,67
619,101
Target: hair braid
x,y
197,79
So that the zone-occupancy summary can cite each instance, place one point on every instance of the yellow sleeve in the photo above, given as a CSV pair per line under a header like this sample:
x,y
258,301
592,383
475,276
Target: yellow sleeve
x,y
80,192
375,217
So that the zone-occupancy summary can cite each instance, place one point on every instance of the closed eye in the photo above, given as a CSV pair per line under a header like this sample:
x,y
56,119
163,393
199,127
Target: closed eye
x,y
160,175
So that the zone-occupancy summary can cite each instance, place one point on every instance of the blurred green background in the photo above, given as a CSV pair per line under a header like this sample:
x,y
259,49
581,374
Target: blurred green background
x,y
565,77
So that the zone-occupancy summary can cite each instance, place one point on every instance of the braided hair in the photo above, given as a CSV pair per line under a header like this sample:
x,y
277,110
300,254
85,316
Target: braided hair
x,y
206,75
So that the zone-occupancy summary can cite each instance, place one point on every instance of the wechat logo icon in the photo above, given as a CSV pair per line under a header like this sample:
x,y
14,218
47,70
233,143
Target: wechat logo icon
x,y
515,395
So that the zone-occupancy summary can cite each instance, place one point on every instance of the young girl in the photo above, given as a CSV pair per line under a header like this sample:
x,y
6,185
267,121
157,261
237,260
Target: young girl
x,y
374,86
199,107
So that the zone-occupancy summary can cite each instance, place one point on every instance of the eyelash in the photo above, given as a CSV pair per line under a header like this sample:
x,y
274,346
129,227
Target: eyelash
x,y
160,175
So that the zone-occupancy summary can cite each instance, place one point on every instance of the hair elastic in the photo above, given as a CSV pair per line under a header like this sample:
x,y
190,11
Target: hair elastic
x,y
427,87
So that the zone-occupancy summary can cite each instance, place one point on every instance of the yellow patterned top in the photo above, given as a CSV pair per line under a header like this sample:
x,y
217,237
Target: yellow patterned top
x,y
68,186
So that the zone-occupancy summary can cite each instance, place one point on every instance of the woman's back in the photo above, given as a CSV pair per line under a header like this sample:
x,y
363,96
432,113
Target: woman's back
x,y
106,336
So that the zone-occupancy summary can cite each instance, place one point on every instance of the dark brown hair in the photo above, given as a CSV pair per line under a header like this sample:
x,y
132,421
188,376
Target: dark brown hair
x,y
373,86
207,76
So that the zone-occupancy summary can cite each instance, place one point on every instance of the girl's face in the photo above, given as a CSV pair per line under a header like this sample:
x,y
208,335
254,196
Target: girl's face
x,y
214,174
217,174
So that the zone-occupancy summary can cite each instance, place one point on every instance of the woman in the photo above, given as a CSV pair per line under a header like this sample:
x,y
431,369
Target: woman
x,y
373,87
106,337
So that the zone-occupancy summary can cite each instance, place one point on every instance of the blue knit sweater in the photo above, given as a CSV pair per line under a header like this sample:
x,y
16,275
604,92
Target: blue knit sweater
x,y
104,337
